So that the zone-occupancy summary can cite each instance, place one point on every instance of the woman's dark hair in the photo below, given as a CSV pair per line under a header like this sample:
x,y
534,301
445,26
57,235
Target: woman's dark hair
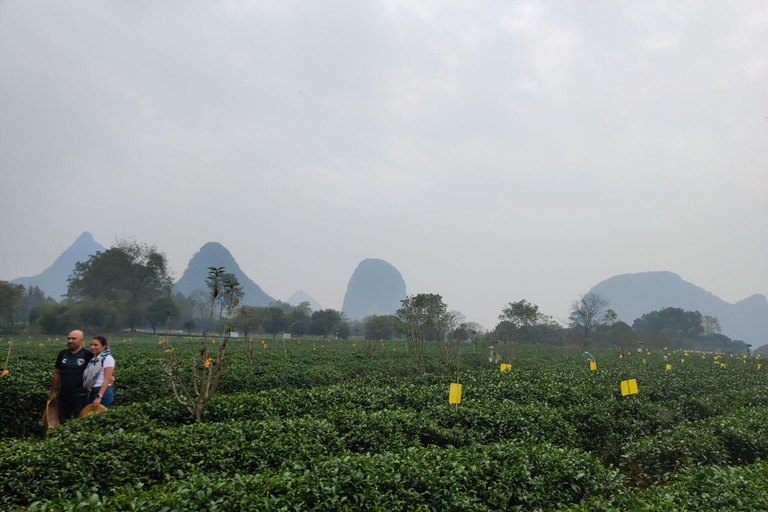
x,y
101,339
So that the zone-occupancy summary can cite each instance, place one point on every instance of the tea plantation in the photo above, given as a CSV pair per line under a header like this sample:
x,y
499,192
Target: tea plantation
x,y
318,425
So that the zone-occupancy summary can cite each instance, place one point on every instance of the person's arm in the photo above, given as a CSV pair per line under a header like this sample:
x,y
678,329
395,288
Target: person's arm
x,y
54,383
107,378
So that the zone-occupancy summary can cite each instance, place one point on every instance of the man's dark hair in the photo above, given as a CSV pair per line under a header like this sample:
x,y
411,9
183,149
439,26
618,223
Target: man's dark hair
x,y
101,339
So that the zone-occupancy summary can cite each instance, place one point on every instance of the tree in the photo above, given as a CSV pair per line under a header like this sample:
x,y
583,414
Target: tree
x,y
227,301
194,389
521,314
55,317
33,297
299,328
252,318
160,310
673,322
278,321
128,270
343,330
423,317
100,314
585,314
711,325
380,327
10,300
523,322
610,317
200,300
325,322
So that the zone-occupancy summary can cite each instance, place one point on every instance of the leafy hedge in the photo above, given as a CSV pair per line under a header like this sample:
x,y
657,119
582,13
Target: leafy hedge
x,y
330,429
495,477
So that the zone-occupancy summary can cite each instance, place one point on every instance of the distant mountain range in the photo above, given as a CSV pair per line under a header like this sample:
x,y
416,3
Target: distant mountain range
x,y
633,295
213,254
375,288
302,296
53,280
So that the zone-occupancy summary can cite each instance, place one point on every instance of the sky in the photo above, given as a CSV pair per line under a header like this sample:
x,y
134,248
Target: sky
x,y
490,151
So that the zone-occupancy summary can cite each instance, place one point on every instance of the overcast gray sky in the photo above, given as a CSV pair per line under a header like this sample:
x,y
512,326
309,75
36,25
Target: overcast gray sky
x,y
491,151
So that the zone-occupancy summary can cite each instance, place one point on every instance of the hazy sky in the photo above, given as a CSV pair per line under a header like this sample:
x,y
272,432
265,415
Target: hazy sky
x,y
491,151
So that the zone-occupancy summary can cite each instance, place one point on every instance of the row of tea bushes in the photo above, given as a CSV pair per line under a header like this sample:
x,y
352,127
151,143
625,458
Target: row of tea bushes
x,y
494,477
147,443
499,477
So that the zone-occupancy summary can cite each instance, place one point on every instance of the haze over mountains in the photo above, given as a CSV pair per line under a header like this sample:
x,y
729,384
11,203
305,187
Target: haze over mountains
x,y
53,280
213,254
375,288
302,296
633,295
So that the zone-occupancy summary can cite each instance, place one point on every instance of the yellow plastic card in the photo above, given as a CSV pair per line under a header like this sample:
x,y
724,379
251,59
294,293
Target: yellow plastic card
x,y
669,367
629,387
593,365
505,367
454,397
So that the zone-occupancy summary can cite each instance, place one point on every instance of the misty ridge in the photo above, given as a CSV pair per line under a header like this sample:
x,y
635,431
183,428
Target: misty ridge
x,y
681,313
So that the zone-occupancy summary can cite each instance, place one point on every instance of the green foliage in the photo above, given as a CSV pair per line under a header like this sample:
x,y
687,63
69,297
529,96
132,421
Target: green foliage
x,y
380,327
33,297
330,429
161,310
521,314
10,300
325,322
671,321
128,273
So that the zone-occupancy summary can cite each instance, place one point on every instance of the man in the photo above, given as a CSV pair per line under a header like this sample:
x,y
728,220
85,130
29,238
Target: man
x,y
70,365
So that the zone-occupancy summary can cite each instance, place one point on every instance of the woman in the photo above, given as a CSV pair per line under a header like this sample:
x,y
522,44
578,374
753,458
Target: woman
x,y
98,374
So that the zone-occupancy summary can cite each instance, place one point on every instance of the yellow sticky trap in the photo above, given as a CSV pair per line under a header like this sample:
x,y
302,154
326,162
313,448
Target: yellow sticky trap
x,y
505,368
593,365
454,396
669,367
629,387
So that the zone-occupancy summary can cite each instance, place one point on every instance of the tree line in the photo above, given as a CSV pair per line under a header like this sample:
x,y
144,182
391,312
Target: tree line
x,y
129,286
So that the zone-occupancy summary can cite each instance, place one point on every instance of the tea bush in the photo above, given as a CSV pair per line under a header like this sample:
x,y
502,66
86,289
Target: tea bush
x,y
318,425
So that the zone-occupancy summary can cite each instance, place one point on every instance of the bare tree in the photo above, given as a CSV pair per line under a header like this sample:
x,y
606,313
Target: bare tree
x,y
208,364
585,314
200,300
711,325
